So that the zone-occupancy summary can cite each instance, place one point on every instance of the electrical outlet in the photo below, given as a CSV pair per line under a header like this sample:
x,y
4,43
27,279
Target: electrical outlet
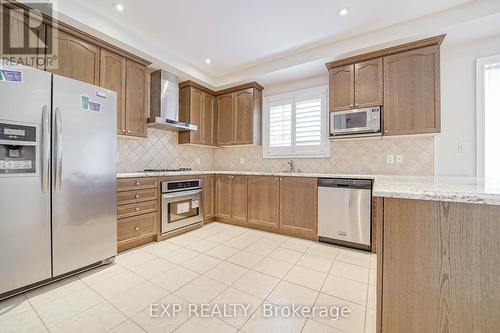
x,y
242,160
399,159
198,160
389,159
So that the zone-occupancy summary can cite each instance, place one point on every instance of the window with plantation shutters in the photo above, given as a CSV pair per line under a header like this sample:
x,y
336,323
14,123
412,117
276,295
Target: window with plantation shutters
x,y
295,125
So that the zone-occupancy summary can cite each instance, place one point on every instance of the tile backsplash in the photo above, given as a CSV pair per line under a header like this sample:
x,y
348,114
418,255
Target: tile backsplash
x,y
160,150
366,155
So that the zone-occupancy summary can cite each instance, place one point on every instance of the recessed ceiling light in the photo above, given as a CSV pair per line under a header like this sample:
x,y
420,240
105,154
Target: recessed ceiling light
x,y
119,7
208,61
343,11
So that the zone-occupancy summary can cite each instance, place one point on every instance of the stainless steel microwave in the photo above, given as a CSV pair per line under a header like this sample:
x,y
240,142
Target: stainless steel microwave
x,y
355,121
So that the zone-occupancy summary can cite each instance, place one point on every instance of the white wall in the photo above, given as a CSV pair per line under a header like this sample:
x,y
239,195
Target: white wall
x,y
458,106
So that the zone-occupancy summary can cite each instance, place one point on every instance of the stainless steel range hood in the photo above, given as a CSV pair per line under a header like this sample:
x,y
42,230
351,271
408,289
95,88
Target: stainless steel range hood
x,y
164,107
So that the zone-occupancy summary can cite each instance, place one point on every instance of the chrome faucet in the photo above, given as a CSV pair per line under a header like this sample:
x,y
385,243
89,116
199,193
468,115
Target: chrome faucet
x,y
291,167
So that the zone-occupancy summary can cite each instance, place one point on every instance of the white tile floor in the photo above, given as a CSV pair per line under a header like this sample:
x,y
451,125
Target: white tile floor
x,y
217,264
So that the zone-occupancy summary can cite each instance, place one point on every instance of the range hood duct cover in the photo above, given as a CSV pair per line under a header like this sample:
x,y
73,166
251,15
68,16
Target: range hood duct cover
x,y
164,108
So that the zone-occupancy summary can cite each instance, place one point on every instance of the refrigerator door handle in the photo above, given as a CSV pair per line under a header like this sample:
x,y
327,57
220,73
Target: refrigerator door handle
x,y
45,149
59,149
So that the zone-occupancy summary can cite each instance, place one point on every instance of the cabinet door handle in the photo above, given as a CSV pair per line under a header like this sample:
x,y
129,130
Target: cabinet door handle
x,y
137,196
357,105
136,228
137,209
352,105
128,131
386,131
137,183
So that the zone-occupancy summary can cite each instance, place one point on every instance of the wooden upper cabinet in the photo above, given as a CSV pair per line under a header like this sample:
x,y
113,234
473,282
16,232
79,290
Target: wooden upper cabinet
x,y
411,92
223,196
137,98
76,59
225,119
239,198
341,83
368,83
112,76
208,119
229,117
356,86
197,107
208,196
264,201
298,206
239,115
195,114
243,101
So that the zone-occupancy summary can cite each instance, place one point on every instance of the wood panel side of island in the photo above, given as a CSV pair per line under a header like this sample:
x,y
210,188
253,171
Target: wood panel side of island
x,y
440,267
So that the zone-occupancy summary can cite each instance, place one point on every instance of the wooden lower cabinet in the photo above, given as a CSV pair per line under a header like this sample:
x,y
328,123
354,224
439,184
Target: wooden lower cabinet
x,y
239,198
208,197
223,196
137,211
264,201
231,198
137,230
299,206
286,205
440,267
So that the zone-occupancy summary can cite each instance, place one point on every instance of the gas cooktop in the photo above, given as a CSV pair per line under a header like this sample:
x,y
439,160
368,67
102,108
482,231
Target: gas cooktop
x,y
167,170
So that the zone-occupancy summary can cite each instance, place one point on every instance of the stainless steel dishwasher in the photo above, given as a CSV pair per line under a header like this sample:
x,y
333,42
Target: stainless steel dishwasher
x,y
344,212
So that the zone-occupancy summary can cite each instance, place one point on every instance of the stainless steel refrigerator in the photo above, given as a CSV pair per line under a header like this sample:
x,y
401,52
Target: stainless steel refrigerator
x,y
57,177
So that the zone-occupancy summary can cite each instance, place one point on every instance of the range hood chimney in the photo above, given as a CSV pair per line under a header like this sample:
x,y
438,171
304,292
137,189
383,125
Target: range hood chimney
x,y
164,108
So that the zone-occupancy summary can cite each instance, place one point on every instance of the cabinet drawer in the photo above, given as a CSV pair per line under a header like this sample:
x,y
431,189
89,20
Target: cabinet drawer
x,y
127,184
129,197
137,208
136,226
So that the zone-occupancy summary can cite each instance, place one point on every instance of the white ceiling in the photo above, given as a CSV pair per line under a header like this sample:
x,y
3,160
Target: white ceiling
x,y
245,39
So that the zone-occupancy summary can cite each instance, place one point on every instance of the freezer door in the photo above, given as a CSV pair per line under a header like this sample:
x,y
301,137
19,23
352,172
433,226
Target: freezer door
x,y
24,193
84,174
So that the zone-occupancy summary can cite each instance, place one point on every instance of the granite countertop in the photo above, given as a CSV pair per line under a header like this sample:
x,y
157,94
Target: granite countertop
x,y
436,188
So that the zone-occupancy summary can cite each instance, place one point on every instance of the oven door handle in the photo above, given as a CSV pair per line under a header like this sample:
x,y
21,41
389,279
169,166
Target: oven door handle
x,y
180,194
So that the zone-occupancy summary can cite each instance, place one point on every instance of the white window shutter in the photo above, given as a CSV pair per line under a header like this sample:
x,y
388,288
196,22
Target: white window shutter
x,y
308,122
280,124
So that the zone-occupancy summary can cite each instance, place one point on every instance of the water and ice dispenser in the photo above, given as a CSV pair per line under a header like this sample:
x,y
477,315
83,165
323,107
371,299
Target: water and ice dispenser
x,y
19,149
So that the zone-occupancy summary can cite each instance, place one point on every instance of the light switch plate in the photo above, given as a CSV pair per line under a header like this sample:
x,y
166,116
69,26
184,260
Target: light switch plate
x,y
389,159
